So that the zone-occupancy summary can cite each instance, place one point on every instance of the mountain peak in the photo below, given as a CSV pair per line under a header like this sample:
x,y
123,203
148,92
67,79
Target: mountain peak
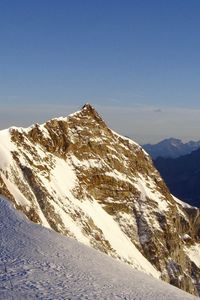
x,y
90,112
89,109
88,106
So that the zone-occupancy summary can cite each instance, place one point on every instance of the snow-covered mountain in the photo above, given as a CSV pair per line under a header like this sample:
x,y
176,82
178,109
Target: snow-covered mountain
x,y
171,147
80,178
38,263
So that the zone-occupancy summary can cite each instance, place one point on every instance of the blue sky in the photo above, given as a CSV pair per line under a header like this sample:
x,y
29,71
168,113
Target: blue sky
x,y
137,62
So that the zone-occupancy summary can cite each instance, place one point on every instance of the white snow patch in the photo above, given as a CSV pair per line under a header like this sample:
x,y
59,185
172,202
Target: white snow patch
x,y
63,177
70,224
6,147
194,254
148,190
186,237
19,197
44,131
86,164
186,205
117,239
125,138
119,176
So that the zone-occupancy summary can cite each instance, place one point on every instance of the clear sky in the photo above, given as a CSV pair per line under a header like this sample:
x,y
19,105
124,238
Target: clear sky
x,y
136,61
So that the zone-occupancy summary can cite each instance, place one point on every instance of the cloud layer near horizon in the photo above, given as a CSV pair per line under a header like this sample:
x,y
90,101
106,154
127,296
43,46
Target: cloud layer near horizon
x,y
142,123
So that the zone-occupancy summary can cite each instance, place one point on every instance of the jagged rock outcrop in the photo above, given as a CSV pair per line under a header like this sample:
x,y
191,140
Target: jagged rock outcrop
x,y
80,178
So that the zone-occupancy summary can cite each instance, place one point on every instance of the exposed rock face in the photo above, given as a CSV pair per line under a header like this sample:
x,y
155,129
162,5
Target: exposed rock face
x,y
80,178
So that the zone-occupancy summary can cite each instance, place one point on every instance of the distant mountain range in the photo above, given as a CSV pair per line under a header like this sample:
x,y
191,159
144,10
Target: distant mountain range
x,y
171,147
182,176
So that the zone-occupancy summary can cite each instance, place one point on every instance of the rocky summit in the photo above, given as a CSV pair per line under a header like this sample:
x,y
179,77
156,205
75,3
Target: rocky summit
x,y
80,178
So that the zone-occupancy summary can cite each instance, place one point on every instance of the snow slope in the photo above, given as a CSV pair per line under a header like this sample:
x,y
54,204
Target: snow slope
x,y
194,253
37,263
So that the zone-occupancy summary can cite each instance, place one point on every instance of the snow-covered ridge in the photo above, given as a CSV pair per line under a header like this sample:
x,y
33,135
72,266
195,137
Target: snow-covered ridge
x,y
37,263
194,253
80,178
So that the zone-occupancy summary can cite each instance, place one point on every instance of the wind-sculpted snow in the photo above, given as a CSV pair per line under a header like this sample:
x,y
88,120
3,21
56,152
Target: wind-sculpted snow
x,y
37,263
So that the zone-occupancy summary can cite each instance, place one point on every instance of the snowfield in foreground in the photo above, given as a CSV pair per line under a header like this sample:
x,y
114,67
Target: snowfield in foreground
x,y
37,263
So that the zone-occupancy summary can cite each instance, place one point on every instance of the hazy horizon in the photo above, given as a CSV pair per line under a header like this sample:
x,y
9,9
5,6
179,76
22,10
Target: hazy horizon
x,y
131,122
136,62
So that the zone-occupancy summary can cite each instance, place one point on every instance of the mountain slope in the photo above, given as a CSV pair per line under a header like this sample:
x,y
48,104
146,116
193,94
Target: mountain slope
x,y
182,176
171,148
37,263
80,178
